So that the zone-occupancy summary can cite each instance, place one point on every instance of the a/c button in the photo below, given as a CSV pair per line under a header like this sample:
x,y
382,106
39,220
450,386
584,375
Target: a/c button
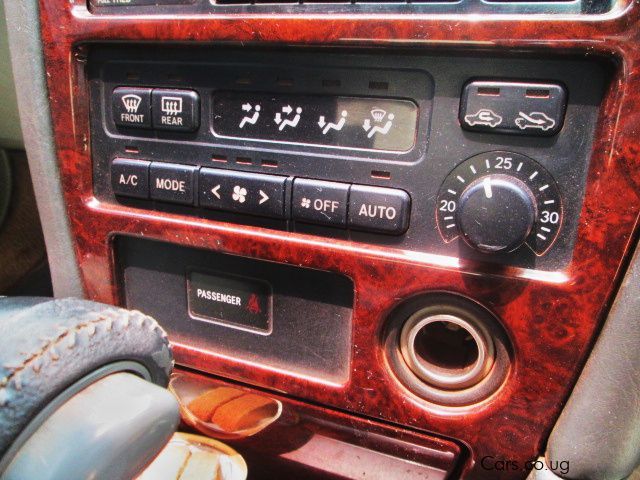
x,y
316,201
130,178
379,209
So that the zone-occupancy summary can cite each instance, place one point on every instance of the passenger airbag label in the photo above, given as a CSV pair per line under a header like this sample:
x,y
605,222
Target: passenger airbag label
x,y
230,300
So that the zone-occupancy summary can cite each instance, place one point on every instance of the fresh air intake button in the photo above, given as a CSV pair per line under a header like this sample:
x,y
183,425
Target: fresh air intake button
x,y
172,183
177,110
317,201
236,301
241,192
519,108
379,209
130,178
131,107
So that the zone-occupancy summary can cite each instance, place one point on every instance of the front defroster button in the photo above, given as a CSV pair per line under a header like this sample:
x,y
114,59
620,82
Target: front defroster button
x,y
131,107
172,183
316,201
379,209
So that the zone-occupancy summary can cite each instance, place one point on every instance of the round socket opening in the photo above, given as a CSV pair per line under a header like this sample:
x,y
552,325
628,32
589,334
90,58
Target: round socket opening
x,y
447,351
446,346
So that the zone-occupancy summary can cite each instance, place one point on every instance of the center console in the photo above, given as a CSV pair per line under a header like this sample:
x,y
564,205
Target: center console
x,y
405,222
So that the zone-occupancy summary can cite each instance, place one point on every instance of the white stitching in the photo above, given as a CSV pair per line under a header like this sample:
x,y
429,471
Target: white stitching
x,y
36,358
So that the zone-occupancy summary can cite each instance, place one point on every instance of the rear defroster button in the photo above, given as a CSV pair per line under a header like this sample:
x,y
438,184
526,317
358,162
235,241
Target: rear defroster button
x,y
379,209
177,110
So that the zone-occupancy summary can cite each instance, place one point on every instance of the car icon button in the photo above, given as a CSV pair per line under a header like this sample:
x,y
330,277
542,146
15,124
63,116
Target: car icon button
x,y
484,116
517,108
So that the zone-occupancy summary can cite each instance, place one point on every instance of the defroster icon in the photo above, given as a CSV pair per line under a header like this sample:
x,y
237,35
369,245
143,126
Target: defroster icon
x,y
131,102
171,105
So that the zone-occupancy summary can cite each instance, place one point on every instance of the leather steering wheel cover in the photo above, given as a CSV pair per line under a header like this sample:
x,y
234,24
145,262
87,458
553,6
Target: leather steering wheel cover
x,y
49,346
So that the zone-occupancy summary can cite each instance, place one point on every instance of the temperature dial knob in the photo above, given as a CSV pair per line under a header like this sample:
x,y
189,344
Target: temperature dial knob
x,y
496,213
498,202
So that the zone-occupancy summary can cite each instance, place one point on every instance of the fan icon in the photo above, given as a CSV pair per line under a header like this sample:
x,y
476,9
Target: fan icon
x,y
239,194
305,203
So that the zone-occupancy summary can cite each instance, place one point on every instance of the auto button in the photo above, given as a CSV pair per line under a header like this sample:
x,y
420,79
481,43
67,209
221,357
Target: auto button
x,y
378,209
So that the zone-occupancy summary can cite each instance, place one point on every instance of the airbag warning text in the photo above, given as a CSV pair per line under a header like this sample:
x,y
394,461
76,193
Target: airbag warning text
x,y
218,297
230,300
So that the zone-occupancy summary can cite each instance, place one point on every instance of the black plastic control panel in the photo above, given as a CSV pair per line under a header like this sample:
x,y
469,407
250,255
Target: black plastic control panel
x,y
267,144
384,210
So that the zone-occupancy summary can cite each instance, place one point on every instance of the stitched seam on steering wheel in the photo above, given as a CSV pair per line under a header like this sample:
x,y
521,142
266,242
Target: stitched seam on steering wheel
x,y
107,318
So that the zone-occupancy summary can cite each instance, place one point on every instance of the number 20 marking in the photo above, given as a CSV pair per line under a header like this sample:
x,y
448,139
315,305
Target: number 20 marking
x,y
447,206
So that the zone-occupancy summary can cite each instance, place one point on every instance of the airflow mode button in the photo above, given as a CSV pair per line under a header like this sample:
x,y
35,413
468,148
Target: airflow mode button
x,y
131,107
172,183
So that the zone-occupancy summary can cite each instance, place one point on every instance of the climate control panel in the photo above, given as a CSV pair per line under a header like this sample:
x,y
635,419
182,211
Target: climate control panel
x,y
481,159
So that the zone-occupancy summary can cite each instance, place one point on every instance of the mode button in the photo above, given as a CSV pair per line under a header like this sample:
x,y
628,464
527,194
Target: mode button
x,y
172,183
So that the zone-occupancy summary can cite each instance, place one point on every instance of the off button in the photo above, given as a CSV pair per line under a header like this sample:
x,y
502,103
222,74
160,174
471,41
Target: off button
x,y
320,202
378,209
